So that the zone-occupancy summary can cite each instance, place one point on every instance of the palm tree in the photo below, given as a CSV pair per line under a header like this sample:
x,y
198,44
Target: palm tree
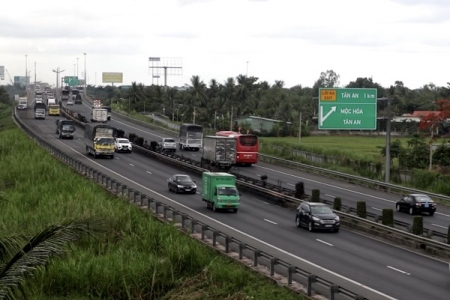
x,y
20,257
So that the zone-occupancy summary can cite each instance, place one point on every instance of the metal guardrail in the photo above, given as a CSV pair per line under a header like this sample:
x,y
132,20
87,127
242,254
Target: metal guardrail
x,y
285,197
362,181
196,228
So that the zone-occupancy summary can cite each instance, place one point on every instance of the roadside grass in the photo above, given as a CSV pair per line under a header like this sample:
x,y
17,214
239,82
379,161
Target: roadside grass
x,y
352,147
139,257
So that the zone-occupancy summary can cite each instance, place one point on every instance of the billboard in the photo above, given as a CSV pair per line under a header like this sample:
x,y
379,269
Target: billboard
x,y
2,73
111,77
22,80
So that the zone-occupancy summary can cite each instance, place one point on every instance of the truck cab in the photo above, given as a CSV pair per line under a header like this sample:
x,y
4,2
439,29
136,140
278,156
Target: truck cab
x,y
65,129
219,191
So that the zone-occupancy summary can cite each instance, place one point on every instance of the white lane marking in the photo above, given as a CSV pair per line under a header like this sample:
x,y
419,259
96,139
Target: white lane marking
x,y
338,187
323,242
328,195
265,202
398,270
439,226
291,184
270,221
193,155
132,165
376,208
149,172
258,175
117,158
234,229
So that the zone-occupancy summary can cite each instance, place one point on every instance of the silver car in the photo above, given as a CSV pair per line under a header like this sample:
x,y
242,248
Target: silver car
x,y
69,102
167,144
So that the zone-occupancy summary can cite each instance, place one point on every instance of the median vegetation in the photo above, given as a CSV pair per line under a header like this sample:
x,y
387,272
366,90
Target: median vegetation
x,y
136,258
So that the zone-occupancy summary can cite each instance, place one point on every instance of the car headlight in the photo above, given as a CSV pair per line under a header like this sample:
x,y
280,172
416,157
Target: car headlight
x,y
315,219
194,186
180,186
337,218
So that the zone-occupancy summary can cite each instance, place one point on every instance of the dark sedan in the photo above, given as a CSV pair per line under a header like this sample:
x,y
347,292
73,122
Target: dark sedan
x,y
180,183
316,216
416,203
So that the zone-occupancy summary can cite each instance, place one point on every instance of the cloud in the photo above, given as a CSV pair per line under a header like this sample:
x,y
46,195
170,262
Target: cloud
x,y
443,3
179,35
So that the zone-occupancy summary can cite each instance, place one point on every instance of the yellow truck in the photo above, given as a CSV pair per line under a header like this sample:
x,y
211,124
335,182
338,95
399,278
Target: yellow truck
x,y
99,140
54,110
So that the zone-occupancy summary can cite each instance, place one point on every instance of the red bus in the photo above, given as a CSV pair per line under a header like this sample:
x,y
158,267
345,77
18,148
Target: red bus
x,y
246,147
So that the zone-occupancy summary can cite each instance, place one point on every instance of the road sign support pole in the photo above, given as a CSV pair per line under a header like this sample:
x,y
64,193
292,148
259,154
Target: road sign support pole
x,y
387,172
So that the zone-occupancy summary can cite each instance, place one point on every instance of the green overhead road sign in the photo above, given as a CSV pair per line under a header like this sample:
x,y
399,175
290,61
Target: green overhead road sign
x,y
347,109
71,80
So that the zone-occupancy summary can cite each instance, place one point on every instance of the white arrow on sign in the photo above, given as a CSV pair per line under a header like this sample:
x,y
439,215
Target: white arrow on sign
x,y
322,117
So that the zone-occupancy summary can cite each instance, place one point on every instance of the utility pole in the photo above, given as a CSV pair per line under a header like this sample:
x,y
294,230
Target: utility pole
x,y
300,128
246,74
34,73
85,74
231,119
77,67
194,116
57,71
26,69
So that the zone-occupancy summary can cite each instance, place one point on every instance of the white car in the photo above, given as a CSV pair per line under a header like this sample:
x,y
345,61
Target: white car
x,y
69,102
122,145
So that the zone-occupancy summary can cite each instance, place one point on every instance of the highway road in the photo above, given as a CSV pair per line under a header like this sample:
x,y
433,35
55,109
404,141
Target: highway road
x,y
399,273
329,188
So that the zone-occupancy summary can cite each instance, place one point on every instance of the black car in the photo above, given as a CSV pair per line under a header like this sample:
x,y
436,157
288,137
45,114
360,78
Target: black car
x,y
317,216
416,203
180,183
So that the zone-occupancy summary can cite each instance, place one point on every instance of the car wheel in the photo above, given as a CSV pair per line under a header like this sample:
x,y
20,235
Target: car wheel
x,y
411,211
398,208
336,230
177,190
310,227
431,213
297,222
235,210
214,208
170,189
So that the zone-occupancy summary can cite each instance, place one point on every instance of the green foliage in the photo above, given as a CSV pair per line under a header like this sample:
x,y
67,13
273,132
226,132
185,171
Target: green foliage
x,y
387,217
417,227
361,210
337,203
416,155
395,150
315,195
441,156
5,99
6,120
137,258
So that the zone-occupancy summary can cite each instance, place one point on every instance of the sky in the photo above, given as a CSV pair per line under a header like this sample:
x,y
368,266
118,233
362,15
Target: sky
x,y
288,40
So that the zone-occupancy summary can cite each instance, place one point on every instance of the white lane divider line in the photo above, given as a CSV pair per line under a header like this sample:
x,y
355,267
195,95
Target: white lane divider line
x,y
272,222
117,158
398,270
149,172
132,165
291,184
323,242
376,208
439,226
331,196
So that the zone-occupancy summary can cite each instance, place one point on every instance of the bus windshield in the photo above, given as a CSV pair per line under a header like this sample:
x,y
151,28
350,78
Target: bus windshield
x,y
248,140
65,92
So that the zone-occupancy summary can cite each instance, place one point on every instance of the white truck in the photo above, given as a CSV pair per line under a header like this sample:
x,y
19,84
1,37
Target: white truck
x,y
219,152
23,101
99,115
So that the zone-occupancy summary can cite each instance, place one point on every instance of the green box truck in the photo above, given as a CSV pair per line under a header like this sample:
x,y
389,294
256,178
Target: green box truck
x,y
219,191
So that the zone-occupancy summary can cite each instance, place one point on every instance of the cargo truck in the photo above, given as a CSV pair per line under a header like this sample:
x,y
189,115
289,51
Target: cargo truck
x,y
99,115
23,101
65,95
65,129
53,109
99,140
219,152
219,191
40,110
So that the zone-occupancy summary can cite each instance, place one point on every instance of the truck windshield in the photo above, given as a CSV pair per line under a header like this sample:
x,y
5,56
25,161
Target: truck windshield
x,y
105,141
227,191
67,127
194,135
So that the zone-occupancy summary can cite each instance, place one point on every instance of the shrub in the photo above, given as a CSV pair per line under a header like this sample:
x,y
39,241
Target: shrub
x,y
388,217
315,196
337,204
361,210
417,225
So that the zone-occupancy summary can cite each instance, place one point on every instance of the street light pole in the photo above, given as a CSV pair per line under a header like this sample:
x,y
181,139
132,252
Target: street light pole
x,y
57,71
77,67
34,73
26,69
85,74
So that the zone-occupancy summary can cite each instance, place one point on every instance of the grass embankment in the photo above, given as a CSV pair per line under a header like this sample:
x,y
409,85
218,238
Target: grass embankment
x,y
139,257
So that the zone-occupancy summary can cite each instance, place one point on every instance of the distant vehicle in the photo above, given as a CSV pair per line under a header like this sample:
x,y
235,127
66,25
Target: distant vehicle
x,y
78,99
122,145
65,95
21,107
38,100
54,110
416,203
180,183
65,129
50,95
219,191
317,216
246,147
69,102
167,145
23,101
98,104
51,101
99,115
99,140
191,137
219,152
40,110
